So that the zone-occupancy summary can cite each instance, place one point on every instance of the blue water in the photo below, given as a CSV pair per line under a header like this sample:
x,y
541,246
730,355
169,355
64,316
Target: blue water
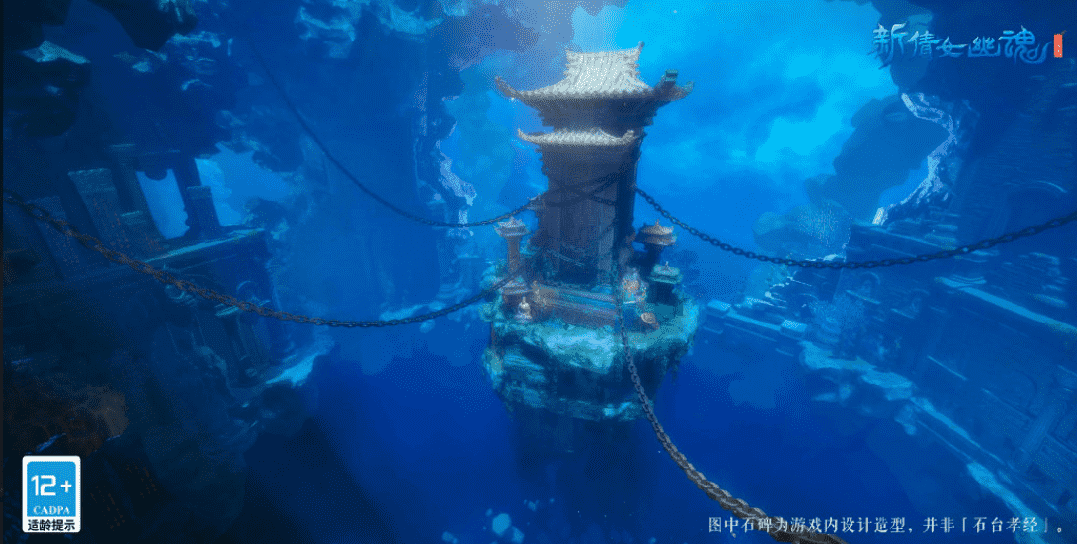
x,y
407,440
421,443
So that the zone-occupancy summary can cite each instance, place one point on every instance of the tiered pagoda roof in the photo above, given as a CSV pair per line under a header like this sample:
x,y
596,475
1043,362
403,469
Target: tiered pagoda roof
x,y
598,76
604,74
571,138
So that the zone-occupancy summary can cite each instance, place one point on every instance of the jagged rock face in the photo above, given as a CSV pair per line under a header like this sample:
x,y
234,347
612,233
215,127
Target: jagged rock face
x,y
192,408
42,86
23,20
174,415
887,143
977,350
581,372
1018,167
58,411
150,23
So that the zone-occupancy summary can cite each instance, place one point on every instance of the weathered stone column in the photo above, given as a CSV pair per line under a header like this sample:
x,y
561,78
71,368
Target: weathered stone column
x,y
201,215
512,231
123,155
1056,405
136,218
197,199
98,192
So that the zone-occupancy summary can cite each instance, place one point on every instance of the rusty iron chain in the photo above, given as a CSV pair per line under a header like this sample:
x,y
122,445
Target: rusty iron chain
x,y
778,528
393,207
983,244
64,227
581,195
41,214
362,187
382,200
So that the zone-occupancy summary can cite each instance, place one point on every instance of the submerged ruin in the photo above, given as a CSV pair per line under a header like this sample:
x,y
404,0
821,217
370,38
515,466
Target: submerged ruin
x,y
554,352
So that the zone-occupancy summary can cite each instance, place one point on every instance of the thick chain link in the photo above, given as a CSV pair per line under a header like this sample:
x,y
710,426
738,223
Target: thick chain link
x,y
66,228
332,158
582,195
593,195
983,244
778,529
41,214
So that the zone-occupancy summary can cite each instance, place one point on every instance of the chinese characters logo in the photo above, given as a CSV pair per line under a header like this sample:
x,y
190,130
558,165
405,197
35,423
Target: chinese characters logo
x,y
896,42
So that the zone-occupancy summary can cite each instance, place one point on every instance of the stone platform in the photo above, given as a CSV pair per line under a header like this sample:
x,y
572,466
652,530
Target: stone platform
x,y
580,371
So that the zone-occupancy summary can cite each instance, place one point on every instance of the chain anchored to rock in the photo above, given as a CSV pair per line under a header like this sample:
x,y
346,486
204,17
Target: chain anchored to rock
x,y
778,528
982,244
41,214
593,195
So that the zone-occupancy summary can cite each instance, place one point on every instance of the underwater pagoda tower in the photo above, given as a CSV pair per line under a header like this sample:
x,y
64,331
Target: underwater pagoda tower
x,y
597,112
555,356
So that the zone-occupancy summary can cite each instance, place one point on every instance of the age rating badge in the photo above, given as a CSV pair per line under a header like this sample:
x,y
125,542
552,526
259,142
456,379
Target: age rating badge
x,y
51,493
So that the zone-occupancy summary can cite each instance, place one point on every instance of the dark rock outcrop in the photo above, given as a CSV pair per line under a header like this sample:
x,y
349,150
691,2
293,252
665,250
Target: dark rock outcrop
x,y
23,21
887,143
150,23
42,86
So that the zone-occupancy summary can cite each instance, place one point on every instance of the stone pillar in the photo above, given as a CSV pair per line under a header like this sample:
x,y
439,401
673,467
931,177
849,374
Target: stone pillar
x,y
512,231
186,172
248,353
513,293
468,265
624,213
123,155
71,259
137,219
201,215
197,200
1056,405
654,238
664,279
98,192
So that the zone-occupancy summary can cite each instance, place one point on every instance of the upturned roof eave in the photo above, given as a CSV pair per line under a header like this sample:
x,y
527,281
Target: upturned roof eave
x,y
600,140
541,98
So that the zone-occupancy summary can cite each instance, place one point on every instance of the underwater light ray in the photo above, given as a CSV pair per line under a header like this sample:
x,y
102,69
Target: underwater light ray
x,y
725,246
91,242
369,192
945,254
